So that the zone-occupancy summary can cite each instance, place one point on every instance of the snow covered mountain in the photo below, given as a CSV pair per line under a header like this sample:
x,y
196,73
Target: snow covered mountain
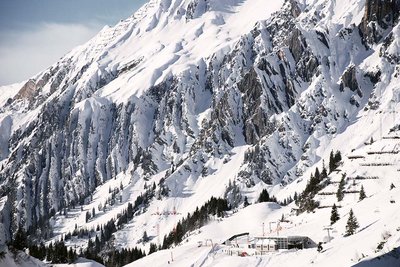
x,y
192,99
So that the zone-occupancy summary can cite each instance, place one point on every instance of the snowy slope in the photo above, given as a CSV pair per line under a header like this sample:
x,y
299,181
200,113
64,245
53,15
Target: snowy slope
x,y
81,262
19,259
378,216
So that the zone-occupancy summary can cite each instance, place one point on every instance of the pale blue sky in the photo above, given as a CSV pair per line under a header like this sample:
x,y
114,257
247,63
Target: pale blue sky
x,y
35,33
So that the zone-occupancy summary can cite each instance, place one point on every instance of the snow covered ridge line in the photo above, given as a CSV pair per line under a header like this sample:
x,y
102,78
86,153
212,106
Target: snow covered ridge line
x,y
115,49
227,102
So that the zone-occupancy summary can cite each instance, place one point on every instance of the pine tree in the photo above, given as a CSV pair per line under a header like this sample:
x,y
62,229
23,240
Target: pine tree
x,y
334,160
340,191
129,211
264,196
338,158
317,175
324,173
313,185
20,239
153,248
392,186
145,237
362,193
49,253
246,201
87,216
352,224
71,255
334,214
97,244
331,162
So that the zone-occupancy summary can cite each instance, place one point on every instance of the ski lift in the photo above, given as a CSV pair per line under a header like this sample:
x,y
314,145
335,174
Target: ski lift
x,y
328,238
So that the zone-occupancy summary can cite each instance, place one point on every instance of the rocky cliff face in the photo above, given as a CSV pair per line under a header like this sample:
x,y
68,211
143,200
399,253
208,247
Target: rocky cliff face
x,y
378,17
279,88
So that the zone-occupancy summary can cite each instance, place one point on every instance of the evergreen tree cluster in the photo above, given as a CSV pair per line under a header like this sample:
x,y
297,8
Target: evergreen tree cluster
x,y
126,215
141,202
305,201
153,248
264,196
123,257
54,253
20,241
215,207
58,253
80,233
164,190
96,246
39,251
40,226
287,201
115,195
97,249
99,244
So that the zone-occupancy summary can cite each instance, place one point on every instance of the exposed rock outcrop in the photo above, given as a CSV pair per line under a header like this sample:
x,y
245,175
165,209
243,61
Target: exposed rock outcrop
x,y
378,16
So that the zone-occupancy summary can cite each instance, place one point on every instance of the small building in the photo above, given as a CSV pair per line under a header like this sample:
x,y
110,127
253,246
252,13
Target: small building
x,y
284,242
264,246
243,245
240,245
235,239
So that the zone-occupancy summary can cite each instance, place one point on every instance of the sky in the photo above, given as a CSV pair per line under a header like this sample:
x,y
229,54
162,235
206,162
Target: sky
x,y
34,34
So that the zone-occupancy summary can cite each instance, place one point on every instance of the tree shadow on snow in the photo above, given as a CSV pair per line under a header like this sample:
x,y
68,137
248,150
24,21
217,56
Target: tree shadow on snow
x,y
362,229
